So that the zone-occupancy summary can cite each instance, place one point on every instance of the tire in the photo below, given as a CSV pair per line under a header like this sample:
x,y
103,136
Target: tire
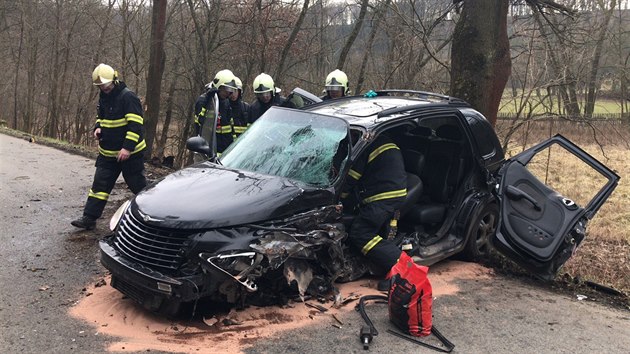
x,y
480,232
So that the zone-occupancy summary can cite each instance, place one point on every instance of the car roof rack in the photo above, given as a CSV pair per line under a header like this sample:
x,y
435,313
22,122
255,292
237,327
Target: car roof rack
x,y
420,94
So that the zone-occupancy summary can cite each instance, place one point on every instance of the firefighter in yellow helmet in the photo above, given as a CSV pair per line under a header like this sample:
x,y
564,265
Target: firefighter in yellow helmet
x,y
223,86
234,124
336,85
120,131
267,95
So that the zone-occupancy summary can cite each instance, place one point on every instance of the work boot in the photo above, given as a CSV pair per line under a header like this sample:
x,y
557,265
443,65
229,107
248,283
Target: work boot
x,y
84,222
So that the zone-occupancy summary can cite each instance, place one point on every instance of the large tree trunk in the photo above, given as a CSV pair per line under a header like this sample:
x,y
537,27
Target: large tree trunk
x,y
18,63
156,69
480,56
167,117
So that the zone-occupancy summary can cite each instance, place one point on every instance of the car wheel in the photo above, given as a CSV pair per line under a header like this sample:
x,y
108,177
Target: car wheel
x,y
480,233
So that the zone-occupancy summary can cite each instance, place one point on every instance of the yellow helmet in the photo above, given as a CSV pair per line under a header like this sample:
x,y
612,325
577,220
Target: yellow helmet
x,y
337,79
239,83
264,83
103,74
225,78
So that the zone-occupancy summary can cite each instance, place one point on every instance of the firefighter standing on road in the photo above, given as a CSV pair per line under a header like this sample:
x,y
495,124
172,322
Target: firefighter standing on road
x,y
120,131
378,182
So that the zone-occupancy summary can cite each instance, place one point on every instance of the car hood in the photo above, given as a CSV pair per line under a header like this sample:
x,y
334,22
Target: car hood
x,y
209,196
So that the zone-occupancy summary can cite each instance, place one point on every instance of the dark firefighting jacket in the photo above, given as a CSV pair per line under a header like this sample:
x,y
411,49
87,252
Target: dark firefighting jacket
x,y
232,125
378,174
119,115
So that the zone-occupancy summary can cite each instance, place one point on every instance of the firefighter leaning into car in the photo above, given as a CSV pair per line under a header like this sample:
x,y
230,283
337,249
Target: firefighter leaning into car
x,y
267,95
336,85
223,86
120,131
377,182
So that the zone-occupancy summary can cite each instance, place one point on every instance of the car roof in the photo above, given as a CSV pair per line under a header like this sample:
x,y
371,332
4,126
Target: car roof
x,y
376,107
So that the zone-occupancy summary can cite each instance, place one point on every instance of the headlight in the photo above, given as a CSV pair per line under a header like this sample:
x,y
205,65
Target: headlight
x,y
118,214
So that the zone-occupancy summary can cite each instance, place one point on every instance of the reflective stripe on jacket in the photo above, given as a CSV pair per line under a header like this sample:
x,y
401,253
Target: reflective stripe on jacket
x,y
119,115
378,174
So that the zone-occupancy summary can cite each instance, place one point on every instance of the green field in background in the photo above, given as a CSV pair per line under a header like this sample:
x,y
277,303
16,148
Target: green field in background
x,y
602,106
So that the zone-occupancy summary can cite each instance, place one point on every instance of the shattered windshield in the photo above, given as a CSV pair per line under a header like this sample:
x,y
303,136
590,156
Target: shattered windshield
x,y
294,144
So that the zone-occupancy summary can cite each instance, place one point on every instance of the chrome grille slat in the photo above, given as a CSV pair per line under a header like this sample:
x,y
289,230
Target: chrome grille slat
x,y
147,248
139,236
130,253
164,234
155,247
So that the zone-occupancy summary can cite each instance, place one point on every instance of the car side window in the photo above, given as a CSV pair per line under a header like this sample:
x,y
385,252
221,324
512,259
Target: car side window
x,y
355,136
484,136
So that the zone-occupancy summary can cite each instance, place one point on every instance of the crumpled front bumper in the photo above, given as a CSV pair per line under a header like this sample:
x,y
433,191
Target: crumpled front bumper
x,y
148,287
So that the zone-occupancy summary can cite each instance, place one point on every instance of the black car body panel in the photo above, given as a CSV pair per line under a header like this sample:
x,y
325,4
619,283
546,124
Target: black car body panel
x,y
268,211
207,195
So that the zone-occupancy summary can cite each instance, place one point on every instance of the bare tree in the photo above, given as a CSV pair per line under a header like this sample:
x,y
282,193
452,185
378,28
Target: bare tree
x,y
296,29
353,35
567,85
156,70
376,23
396,43
591,92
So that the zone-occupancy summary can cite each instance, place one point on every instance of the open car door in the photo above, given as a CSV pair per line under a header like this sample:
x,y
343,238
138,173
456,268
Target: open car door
x,y
209,129
539,227
206,142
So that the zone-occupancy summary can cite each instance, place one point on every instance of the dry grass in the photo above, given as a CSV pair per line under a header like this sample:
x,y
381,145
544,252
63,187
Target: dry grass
x,y
604,256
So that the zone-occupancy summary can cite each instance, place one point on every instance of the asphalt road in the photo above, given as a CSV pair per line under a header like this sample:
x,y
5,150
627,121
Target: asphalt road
x,y
46,265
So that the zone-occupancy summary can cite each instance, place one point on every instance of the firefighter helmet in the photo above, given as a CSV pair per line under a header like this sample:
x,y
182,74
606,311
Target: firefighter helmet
x,y
263,83
239,83
225,78
103,74
337,80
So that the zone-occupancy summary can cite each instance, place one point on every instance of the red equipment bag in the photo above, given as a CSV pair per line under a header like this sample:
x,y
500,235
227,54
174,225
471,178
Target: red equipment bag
x,y
410,297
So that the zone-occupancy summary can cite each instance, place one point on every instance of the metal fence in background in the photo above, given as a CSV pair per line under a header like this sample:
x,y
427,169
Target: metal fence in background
x,y
601,129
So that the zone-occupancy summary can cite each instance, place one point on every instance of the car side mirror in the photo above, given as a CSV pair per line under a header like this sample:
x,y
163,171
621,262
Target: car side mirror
x,y
198,144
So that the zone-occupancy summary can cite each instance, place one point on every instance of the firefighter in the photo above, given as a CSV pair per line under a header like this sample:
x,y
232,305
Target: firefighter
x,y
378,183
267,95
336,85
120,132
236,123
223,85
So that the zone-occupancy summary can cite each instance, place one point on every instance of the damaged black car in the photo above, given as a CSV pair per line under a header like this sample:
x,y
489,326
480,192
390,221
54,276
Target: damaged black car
x,y
265,217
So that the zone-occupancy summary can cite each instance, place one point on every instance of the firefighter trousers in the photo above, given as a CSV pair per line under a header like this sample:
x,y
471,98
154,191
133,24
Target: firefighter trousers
x,y
107,172
369,233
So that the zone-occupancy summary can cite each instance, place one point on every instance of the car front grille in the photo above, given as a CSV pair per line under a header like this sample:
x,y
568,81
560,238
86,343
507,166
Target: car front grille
x,y
157,248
